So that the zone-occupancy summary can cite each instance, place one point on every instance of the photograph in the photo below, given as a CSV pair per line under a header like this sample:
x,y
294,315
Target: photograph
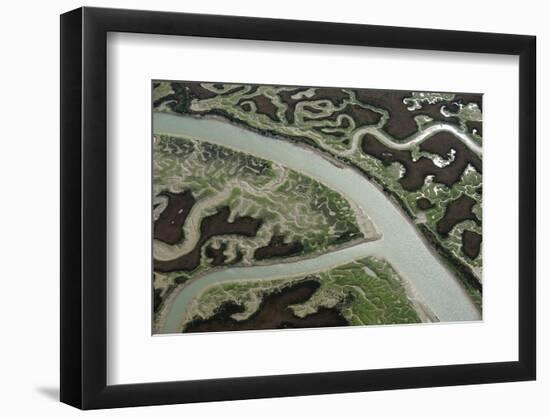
x,y
275,209
282,207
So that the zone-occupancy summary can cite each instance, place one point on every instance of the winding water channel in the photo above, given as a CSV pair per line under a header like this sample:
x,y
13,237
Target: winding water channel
x,y
434,284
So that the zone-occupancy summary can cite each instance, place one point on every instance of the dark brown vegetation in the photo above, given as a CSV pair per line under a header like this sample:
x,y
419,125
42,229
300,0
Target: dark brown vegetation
x,y
217,256
157,299
470,98
423,203
273,313
214,225
416,171
263,106
471,244
361,116
195,90
401,123
334,95
286,97
168,227
478,126
277,247
441,144
457,211
183,94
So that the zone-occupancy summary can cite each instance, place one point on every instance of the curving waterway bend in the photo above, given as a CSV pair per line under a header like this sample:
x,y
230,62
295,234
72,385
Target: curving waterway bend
x,y
415,139
433,284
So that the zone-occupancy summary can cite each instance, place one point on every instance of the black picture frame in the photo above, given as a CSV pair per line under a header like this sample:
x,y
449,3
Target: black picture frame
x,y
84,207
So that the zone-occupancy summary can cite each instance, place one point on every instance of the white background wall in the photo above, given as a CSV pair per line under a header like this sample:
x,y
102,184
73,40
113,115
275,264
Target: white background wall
x,y
29,237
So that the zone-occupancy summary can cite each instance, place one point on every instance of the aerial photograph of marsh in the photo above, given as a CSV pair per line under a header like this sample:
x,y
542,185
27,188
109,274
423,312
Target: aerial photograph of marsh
x,y
280,207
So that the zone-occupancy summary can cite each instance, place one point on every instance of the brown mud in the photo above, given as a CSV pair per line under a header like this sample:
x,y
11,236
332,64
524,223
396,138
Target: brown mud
x,y
217,255
286,97
361,116
278,248
214,225
401,123
416,171
471,244
168,227
273,313
478,126
441,144
263,106
456,212
335,95
423,203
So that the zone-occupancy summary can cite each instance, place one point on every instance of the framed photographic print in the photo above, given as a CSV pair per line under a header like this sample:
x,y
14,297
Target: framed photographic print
x,y
257,208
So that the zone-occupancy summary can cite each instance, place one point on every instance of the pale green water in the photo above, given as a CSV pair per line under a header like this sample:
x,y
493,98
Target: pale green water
x,y
435,285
